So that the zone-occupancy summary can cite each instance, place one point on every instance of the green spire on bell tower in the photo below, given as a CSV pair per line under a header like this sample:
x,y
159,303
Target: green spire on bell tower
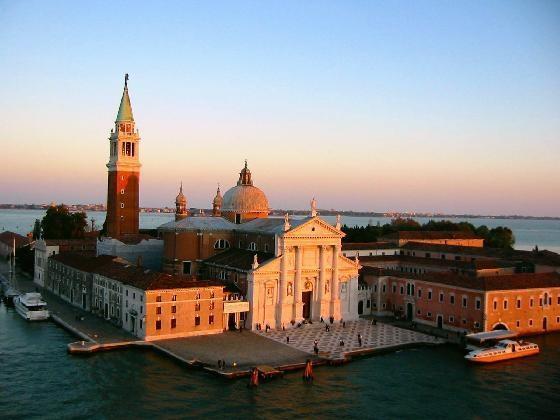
x,y
125,109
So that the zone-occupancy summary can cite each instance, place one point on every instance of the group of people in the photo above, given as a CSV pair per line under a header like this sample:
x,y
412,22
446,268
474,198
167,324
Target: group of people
x,y
258,327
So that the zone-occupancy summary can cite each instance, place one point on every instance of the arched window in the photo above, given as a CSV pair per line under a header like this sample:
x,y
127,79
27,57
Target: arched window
x,y
221,244
252,246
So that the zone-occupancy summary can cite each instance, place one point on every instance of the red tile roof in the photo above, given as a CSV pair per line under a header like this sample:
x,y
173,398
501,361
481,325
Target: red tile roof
x,y
8,237
83,262
504,282
145,279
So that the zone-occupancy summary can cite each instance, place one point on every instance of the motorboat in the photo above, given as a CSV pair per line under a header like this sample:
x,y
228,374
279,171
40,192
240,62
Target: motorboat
x,y
31,307
10,295
503,350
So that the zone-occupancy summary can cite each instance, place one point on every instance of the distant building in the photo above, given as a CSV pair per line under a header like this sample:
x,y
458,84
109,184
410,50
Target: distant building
x,y
434,237
7,241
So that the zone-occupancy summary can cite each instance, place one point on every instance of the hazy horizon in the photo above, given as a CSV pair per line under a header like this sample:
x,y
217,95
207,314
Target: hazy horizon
x,y
418,107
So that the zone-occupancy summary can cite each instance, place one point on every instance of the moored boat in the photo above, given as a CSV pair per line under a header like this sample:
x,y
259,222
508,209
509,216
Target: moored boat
x,y
31,307
504,350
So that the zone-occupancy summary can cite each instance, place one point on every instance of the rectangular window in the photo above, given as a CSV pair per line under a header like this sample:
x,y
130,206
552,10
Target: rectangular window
x,y
531,302
517,323
478,303
158,298
158,310
451,319
505,304
174,298
394,289
132,149
464,302
518,303
419,293
530,322
384,288
173,309
452,299
440,297
197,320
402,290
495,304
158,324
173,323
186,267
123,149
211,319
141,324
197,306
429,295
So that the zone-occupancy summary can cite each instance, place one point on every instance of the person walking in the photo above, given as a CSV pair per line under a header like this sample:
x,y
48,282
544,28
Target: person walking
x,y
316,347
287,339
360,340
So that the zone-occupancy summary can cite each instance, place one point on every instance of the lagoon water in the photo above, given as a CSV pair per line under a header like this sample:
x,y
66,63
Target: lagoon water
x,y
528,233
38,379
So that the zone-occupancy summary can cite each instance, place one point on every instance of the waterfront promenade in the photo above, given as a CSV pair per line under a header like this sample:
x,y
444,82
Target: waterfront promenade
x,y
240,350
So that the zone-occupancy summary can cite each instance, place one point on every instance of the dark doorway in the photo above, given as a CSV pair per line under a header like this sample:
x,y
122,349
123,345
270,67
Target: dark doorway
x,y
84,305
409,311
231,322
237,218
500,327
106,313
544,323
440,321
306,299
360,307
133,324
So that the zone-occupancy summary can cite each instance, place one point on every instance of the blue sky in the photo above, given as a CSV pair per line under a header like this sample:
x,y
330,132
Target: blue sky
x,y
399,105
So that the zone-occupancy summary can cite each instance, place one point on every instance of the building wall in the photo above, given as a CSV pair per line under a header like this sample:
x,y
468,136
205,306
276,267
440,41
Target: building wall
x,y
525,317
72,285
371,252
479,243
191,246
190,304
107,299
262,242
122,203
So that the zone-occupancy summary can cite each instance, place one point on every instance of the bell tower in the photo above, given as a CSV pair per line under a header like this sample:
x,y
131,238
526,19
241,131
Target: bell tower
x,y
123,173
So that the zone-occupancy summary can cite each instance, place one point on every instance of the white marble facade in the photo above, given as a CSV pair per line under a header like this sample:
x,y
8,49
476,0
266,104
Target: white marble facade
x,y
309,279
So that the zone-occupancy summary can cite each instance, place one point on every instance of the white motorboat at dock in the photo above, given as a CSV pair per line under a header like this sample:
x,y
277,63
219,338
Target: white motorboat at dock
x,y
31,307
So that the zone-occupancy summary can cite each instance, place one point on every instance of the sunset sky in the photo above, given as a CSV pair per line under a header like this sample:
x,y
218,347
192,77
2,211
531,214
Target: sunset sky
x,y
441,106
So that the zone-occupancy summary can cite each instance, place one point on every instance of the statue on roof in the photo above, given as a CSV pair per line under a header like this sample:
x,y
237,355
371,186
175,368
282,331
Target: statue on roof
x,y
313,207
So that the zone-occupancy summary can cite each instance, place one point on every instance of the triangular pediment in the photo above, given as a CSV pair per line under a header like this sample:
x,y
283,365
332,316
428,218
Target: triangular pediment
x,y
314,227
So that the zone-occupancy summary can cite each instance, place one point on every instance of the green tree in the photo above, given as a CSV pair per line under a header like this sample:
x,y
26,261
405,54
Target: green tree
x,y
500,237
37,229
60,223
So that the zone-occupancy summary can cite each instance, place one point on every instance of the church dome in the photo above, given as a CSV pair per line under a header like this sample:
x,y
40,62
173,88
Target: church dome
x,y
245,197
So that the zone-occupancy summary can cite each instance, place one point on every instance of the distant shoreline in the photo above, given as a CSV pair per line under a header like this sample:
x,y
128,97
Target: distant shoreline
x,y
281,212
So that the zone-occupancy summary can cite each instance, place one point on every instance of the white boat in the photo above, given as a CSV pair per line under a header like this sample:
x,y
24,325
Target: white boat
x,y
31,307
504,350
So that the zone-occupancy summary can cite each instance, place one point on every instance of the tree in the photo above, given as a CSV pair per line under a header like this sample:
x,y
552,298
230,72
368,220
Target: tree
x,y
37,229
60,223
500,237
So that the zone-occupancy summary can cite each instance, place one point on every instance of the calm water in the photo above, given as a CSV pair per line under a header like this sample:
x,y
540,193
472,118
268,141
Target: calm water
x,y
528,233
38,379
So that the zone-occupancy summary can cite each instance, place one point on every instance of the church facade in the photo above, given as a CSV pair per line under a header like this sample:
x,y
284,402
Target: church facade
x,y
289,270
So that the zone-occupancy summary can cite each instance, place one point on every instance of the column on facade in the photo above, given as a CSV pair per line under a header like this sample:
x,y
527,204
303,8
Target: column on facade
x,y
282,287
335,287
297,280
322,267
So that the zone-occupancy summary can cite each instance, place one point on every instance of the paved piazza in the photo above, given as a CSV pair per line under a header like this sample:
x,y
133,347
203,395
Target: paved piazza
x,y
380,336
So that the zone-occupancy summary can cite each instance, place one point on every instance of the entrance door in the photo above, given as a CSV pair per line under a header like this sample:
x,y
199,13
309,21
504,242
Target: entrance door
x,y
409,312
306,299
544,322
84,301
106,311
440,321
360,307
133,324
231,322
